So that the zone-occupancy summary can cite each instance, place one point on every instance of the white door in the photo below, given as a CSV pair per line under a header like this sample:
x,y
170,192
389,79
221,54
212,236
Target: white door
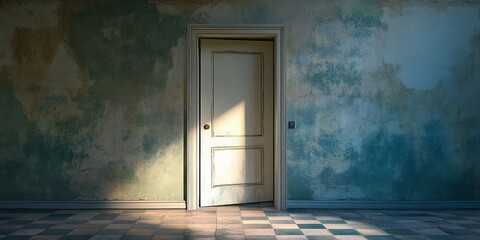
x,y
236,117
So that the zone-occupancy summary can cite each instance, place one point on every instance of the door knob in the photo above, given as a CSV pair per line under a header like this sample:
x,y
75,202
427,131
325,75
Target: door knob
x,y
206,126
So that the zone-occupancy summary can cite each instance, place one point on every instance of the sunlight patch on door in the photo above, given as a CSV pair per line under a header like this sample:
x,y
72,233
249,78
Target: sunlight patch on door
x,y
237,93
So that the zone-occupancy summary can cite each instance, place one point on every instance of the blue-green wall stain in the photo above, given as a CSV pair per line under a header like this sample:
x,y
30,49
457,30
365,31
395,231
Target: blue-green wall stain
x,y
42,174
260,14
397,142
112,171
364,17
389,167
150,144
298,191
52,102
58,147
119,43
334,74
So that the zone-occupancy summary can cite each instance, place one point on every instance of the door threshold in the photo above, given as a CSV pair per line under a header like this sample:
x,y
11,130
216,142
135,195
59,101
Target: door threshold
x,y
254,205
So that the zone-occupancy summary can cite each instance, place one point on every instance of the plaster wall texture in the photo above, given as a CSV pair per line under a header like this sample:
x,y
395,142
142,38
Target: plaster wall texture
x,y
385,95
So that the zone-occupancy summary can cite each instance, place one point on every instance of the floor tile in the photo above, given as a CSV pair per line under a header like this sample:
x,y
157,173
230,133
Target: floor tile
x,y
254,218
77,237
40,226
259,237
12,237
282,222
57,217
459,232
291,237
229,222
337,226
257,226
6,231
106,216
46,237
10,226
171,231
255,222
65,226
401,232
285,226
201,232
229,226
20,222
311,226
259,232
229,237
200,226
350,237
280,218
252,221
316,232
431,232
412,237
344,231
83,232
230,232
106,237
380,237
55,232
112,232
375,232
30,232
321,238
170,237
310,221
128,237
118,226
333,222
288,232
140,231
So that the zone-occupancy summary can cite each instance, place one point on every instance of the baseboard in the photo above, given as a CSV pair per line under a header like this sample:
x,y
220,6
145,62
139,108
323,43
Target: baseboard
x,y
384,204
92,205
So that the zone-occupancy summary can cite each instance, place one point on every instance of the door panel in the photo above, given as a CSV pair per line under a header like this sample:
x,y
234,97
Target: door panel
x,y
236,164
237,98
229,166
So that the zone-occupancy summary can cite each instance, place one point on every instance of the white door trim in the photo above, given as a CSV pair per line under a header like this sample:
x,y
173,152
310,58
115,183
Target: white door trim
x,y
196,32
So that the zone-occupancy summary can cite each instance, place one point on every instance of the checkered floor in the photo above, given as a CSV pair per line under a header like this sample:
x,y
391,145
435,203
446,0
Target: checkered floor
x,y
257,221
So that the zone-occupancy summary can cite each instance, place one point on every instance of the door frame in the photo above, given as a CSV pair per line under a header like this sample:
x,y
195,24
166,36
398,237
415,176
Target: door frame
x,y
195,32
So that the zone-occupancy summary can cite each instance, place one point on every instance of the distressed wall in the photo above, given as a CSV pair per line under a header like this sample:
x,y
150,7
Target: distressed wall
x,y
92,101
385,95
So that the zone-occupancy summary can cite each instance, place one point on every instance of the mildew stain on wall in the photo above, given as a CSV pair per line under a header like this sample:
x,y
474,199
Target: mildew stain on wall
x,y
378,97
93,97
384,93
